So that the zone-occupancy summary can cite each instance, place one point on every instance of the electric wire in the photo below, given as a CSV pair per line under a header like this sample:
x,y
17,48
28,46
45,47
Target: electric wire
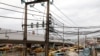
x,y
70,33
64,26
88,27
64,14
60,18
17,18
57,16
60,26
19,11
57,19
20,7
80,33
57,36
43,12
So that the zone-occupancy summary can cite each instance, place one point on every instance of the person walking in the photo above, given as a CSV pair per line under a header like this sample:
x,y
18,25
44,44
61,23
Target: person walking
x,y
86,51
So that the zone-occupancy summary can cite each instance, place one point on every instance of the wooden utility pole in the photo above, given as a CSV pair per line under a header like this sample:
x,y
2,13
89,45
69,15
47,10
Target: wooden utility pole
x,y
85,40
78,41
47,31
25,31
47,27
63,37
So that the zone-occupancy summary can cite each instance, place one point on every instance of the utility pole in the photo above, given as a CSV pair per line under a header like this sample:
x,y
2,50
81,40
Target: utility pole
x,y
85,40
25,31
78,41
63,35
47,31
47,27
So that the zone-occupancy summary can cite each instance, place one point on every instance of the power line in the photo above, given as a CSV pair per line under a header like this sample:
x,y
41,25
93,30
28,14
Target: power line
x,y
56,15
64,14
20,7
18,18
56,19
89,27
64,26
86,32
60,18
61,26
80,33
18,11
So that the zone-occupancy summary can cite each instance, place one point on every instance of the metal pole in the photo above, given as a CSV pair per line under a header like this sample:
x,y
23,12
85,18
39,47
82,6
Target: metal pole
x,y
63,35
85,40
78,41
25,30
47,32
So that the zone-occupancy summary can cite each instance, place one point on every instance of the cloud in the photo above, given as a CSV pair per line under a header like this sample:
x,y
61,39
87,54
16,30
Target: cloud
x,y
82,11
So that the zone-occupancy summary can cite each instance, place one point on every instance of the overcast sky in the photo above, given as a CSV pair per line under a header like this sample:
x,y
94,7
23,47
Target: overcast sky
x,y
80,13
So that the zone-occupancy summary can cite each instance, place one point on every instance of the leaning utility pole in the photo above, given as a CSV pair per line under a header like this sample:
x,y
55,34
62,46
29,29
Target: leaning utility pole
x,y
47,27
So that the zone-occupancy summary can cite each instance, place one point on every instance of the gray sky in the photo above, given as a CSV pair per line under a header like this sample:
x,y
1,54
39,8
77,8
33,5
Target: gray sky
x,y
81,12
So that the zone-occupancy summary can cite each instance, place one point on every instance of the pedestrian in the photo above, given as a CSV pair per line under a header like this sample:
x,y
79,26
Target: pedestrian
x,y
86,51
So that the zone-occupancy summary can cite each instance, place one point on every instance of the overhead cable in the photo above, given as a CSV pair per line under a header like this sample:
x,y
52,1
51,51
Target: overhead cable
x,y
19,11
20,7
64,14
17,18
